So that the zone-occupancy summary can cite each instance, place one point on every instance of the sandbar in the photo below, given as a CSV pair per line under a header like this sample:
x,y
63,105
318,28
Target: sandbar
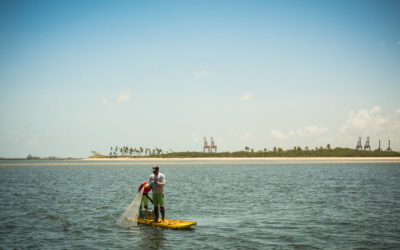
x,y
255,159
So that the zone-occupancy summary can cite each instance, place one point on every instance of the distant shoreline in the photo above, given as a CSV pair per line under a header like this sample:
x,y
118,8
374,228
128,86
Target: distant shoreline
x,y
208,160
262,159
125,160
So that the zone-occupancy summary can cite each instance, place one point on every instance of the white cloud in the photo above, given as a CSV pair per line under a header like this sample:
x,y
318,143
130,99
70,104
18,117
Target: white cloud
x,y
105,101
128,131
382,43
195,137
370,123
278,134
365,122
202,74
12,137
34,139
308,131
398,43
246,97
394,121
246,135
124,96
315,130
20,137
233,132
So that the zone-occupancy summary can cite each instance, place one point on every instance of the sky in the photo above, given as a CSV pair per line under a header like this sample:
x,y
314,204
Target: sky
x,y
77,76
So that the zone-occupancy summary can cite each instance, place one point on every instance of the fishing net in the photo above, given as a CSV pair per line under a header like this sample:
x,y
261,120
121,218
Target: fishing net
x,y
130,217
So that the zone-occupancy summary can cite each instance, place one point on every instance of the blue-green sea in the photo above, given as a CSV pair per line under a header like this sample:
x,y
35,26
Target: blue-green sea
x,y
237,205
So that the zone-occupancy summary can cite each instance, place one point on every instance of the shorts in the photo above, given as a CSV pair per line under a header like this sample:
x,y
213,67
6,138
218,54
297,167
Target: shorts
x,y
158,200
145,201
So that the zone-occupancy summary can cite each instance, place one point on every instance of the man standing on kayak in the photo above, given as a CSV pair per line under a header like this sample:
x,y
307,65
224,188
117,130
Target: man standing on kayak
x,y
157,181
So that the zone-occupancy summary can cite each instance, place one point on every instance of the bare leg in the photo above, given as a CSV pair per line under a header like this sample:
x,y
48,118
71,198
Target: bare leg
x,y
162,213
155,214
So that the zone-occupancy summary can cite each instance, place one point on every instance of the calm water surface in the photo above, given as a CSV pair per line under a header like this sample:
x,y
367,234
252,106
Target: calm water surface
x,y
236,205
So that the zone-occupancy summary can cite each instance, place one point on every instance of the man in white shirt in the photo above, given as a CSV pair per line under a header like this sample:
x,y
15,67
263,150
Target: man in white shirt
x,y
157,181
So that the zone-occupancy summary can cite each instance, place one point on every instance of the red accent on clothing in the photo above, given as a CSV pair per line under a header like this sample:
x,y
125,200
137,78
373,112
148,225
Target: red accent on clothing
x,y
146,189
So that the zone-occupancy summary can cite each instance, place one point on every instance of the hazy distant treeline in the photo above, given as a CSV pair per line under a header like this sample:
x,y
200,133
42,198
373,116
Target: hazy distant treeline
x,y
247,152
320,152
124,151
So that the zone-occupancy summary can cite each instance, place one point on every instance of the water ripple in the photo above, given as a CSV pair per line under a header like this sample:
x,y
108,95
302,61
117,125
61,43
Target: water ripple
x,y
240,206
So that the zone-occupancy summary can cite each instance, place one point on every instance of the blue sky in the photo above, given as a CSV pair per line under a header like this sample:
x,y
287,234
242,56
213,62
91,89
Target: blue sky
x,y
77,76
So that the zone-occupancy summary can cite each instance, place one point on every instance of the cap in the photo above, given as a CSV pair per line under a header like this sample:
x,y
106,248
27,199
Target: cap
x,y
156,168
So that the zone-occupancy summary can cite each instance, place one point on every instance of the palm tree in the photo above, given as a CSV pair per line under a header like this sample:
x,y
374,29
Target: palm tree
x,y
131,151
141,150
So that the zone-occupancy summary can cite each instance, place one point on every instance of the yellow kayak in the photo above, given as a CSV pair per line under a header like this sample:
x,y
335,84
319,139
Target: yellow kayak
x,y
147,217
174,224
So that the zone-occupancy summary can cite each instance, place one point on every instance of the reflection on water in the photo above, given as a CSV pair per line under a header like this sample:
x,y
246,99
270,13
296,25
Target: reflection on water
x,y
246,205
151,237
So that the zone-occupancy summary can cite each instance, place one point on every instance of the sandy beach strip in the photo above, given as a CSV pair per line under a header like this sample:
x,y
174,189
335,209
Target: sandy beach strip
x,y
197,161
256,159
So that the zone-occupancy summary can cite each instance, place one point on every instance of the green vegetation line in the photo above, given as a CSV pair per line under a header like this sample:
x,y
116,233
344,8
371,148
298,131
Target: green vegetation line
x,y
123,152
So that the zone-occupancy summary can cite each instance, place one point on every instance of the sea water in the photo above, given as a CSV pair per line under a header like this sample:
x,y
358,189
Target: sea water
x,y
245,205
